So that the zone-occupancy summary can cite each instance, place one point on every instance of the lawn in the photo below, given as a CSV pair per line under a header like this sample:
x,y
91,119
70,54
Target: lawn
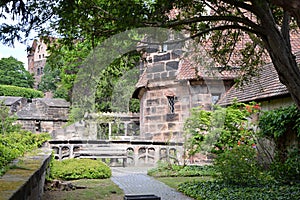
x,y
95,189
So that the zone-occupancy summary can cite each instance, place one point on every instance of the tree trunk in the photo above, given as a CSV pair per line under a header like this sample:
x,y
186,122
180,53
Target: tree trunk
x,y
291,6
282,57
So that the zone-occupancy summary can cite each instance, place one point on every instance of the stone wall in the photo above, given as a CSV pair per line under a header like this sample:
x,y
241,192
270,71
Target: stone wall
x,y
276,103
43,115
165,102
26,182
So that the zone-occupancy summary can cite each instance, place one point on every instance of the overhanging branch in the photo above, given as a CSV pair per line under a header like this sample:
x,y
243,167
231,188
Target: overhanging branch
x,y
255,28
224,27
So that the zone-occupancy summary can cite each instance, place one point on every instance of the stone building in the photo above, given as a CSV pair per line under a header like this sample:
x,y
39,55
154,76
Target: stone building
x,y
169,86
38,115
37,57
14,103
43,115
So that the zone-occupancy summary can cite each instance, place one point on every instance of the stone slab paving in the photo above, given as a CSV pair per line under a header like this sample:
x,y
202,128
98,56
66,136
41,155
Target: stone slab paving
x,y
134,180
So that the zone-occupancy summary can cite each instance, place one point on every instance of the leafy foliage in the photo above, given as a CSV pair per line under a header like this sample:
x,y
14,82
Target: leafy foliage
x,y
12,72
275,123
10,90
283,127
7,120
222,190
49,80
238,165
14,142
113,83
70,169
195,127
288,171
220,129
171,170
261,25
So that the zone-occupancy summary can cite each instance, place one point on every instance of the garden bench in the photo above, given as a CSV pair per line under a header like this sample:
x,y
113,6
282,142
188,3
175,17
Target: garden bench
x,y
109,152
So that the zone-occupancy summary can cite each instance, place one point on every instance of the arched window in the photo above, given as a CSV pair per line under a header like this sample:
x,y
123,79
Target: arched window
x,y
38,71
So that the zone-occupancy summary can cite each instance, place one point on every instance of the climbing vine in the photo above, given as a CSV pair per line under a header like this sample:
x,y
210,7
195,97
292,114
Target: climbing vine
x,y
276,123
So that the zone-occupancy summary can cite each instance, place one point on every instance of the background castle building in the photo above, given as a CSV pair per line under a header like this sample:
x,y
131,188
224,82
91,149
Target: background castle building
x,y
37,57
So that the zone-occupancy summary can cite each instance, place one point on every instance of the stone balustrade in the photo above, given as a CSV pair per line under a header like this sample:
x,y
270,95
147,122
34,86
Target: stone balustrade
x,y
139,153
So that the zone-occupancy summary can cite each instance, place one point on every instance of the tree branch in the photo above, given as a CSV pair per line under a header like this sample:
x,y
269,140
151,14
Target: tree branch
x,y
240,4
285,29
225,27
291,6
256,28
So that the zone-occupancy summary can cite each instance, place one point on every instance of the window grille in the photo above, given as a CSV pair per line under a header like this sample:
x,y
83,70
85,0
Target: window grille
x,y
171,101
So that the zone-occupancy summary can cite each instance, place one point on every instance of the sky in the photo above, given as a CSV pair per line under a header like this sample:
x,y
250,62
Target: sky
x,y
19,52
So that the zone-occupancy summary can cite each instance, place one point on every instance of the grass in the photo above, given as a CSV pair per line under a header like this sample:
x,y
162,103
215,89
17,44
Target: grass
x,y
96,189
174,182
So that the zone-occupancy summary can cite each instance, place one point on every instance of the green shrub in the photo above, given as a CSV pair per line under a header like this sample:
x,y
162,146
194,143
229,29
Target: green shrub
x,y
70,169
9,90
221,129
289,171
238,165
15,144
170,170
212,190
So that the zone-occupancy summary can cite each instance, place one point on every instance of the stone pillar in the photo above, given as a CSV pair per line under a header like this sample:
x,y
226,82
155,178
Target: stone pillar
x,y
156,154
109,130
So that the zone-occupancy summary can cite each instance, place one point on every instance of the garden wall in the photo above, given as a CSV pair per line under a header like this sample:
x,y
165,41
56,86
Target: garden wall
x,y
26,180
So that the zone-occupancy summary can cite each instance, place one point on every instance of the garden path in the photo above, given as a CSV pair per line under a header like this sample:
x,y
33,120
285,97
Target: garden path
x,y
134,180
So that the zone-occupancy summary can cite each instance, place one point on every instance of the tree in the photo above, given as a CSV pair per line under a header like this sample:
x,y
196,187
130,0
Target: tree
x,y
65,62
265,23
49,79
12,72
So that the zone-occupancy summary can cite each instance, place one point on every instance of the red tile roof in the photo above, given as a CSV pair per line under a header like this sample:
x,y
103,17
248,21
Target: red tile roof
x,y
264,86
143,81
189,70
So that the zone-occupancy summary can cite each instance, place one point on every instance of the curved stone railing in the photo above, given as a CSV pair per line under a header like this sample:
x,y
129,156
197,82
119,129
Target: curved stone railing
x,y
26,179
138,152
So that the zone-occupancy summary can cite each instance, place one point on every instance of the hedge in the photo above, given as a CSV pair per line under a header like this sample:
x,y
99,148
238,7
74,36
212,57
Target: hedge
x,y
10,90
70,169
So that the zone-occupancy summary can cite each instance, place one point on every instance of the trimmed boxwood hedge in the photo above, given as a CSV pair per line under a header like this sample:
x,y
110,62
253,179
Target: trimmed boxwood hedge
x,y
70,169
10,90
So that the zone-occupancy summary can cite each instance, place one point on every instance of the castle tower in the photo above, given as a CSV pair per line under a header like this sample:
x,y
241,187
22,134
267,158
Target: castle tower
x,y
37,57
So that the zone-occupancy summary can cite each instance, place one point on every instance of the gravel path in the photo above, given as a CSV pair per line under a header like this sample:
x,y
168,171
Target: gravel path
x,y
136,181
